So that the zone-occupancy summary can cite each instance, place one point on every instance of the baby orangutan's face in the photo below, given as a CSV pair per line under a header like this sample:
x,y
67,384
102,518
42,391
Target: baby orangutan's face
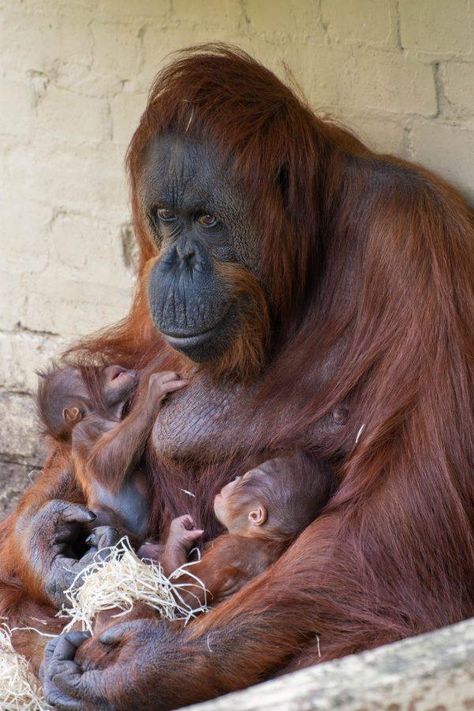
x,y
237,506
118,383
74,399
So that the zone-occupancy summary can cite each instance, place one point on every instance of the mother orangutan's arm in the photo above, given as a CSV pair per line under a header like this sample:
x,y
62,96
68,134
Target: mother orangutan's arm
x,y
152,665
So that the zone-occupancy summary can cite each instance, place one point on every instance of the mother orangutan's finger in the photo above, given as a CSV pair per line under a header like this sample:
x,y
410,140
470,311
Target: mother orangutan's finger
x,y
63,666
68,645
48,653
58,700
116,634
49,649
77,512
77,638
89,686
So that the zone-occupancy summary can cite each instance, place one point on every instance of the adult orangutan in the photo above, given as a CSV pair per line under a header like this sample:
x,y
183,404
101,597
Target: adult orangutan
x,y
324,294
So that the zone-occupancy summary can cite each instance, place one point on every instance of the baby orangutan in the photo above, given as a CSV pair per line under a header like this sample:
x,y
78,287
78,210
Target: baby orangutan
x,y
263,511
86,410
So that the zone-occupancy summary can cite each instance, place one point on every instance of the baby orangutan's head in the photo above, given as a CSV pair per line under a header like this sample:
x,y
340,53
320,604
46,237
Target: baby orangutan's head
x,y
66,395
271,501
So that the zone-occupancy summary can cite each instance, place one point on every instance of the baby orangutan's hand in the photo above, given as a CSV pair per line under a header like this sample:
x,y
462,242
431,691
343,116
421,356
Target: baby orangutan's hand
x,y
181,537
163,383
183,533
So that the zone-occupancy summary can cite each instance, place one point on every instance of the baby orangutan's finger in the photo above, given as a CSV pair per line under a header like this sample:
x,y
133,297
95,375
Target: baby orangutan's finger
x,y
173,385
103,537
167,375
160,384
186,521
182,523
191,536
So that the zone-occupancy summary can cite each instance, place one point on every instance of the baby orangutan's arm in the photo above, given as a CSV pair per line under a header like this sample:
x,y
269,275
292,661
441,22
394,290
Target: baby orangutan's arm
x,y
227,563
119,449
181,537
226,566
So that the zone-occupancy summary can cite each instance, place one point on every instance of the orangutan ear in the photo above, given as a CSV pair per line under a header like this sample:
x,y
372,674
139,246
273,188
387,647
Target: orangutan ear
x,y
72,415
258,516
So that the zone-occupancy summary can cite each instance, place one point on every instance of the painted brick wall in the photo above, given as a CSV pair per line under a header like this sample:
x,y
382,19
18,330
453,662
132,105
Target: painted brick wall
x,y
73,81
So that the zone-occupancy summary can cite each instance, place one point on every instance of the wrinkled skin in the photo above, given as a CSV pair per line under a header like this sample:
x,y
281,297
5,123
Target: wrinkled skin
x,y
196,219
183,179
343,284
61,544
107,454
65,682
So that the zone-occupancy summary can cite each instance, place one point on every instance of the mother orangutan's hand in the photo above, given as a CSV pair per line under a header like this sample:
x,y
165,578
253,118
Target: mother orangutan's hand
x,y
129,655
54,539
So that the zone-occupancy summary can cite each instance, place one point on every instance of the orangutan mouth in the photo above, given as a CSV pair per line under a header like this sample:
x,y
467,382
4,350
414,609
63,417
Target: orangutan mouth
x,y
182,339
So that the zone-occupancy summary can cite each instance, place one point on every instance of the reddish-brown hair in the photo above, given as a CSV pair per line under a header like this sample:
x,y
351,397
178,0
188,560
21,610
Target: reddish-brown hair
x,y
56,391
275,148
370,264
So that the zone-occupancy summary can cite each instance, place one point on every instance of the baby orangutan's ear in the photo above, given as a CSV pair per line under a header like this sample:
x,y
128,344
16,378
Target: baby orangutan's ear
x,y
258,516
71,415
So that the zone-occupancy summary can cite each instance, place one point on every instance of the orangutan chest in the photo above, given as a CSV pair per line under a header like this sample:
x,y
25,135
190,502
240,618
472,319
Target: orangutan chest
x,y
208,423
201,421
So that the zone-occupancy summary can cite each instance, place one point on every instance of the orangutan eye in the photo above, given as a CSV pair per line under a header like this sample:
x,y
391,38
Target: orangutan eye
x,y
165,215
207,220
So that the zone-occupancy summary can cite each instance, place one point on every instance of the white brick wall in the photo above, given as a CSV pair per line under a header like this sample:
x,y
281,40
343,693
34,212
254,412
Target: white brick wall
x,y
73,81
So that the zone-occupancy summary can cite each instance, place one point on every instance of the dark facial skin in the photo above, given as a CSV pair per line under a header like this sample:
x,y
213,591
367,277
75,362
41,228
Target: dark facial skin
x,y
117,386
183,292
195,226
